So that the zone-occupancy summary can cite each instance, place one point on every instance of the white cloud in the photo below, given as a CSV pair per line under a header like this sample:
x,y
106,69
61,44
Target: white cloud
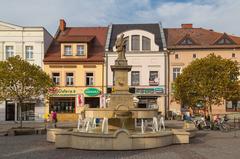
x,y
220,15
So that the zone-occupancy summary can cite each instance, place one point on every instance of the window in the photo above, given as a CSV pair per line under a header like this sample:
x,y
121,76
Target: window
x,y
68,50
69,79
176,56
62,105
187,41
153,78
233,55
224,41
145,43
80,50
29,52
135,42
233,105
89,79
176,72
9,51
126,43
135,78
194,56
56,78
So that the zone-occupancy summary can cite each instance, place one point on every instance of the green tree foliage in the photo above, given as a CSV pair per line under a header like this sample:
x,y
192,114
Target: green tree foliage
x,y
208,80
21,81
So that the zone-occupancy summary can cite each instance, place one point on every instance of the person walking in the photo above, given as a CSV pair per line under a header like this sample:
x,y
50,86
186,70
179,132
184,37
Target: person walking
x,y
54,118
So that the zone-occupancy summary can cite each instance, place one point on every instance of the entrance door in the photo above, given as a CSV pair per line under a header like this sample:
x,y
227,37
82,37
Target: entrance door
x,y
10,111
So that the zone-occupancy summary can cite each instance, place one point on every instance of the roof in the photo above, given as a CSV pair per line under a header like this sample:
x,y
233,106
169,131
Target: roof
x,y
120,28
202,38
95,35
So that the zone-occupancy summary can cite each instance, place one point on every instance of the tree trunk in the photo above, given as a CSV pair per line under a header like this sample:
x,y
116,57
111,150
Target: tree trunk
x,y
210,111
20,113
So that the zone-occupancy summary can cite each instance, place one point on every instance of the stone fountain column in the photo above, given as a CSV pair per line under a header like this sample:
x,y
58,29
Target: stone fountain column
x,y
121,101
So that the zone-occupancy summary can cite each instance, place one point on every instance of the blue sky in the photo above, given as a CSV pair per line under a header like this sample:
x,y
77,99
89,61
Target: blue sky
x,y
219,15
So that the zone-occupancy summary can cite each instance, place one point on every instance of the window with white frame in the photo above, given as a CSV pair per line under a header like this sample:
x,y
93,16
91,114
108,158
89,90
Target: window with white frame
x,y
153,78
9,51
135,42
69,79
56,78
68,50
176,72
89,79
29,52
80,50
146,43
135,78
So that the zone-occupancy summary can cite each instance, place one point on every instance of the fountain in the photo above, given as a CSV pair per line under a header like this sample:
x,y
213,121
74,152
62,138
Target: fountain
x,y
118,129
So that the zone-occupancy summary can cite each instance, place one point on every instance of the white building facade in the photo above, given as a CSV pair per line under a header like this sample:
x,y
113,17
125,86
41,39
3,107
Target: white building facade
x,y
30,43
145,45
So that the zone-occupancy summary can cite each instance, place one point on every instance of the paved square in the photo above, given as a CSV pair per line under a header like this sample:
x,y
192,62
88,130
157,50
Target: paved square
x,y
207,145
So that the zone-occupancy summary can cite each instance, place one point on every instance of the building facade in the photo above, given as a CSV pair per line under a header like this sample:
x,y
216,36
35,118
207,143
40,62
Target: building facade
x,y
75,62
186,44
145,45
30,43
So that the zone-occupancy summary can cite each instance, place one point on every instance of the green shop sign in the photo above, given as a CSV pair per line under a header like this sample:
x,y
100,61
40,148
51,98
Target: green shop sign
x,y
92,92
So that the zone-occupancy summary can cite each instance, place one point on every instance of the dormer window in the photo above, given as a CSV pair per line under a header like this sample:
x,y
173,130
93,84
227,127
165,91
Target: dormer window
x,y
187,41
80,50
224,41
68,50
135,42
146,42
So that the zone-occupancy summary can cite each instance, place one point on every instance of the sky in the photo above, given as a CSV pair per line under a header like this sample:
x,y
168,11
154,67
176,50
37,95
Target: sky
x,y
219,15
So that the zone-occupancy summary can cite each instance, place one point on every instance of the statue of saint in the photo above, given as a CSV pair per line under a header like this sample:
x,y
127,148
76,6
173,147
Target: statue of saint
x,y
120,47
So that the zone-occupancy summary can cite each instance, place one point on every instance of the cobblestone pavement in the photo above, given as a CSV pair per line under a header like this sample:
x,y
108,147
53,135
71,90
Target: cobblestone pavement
x,y
207,145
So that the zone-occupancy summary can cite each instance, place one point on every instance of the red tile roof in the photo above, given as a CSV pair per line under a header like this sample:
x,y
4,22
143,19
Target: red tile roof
x,y
203,38
95,35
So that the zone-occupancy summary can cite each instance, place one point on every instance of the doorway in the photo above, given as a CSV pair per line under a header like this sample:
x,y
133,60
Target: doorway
x,y
10,111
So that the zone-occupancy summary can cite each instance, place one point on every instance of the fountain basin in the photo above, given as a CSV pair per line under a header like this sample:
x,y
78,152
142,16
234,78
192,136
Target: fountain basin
x,y
121,139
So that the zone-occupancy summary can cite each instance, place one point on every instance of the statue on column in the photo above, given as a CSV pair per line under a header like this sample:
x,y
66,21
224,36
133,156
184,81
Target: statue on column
x,y
120,47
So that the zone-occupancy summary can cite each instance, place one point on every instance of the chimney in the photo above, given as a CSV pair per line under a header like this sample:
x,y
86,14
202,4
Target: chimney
x,y
187,26
62,24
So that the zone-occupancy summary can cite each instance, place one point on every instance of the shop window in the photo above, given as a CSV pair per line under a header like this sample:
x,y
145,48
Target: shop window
x,y
56,78
69,79
67,50
135,42
153,78
9,51
146,42
89,79
92,102
29,52
62,105
176,72
80,50
27,110
233,105
135,78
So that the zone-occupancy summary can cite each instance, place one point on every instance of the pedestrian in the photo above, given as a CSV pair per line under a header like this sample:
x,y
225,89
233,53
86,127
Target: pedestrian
x,y
54,118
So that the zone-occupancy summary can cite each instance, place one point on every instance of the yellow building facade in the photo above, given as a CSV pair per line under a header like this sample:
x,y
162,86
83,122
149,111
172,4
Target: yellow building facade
x,y
75,63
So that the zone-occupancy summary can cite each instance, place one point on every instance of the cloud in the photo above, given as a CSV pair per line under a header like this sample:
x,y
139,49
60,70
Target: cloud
x,y
220,15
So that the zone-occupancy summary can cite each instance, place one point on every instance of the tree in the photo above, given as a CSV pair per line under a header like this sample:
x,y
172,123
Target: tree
x,y
209,80
21,81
